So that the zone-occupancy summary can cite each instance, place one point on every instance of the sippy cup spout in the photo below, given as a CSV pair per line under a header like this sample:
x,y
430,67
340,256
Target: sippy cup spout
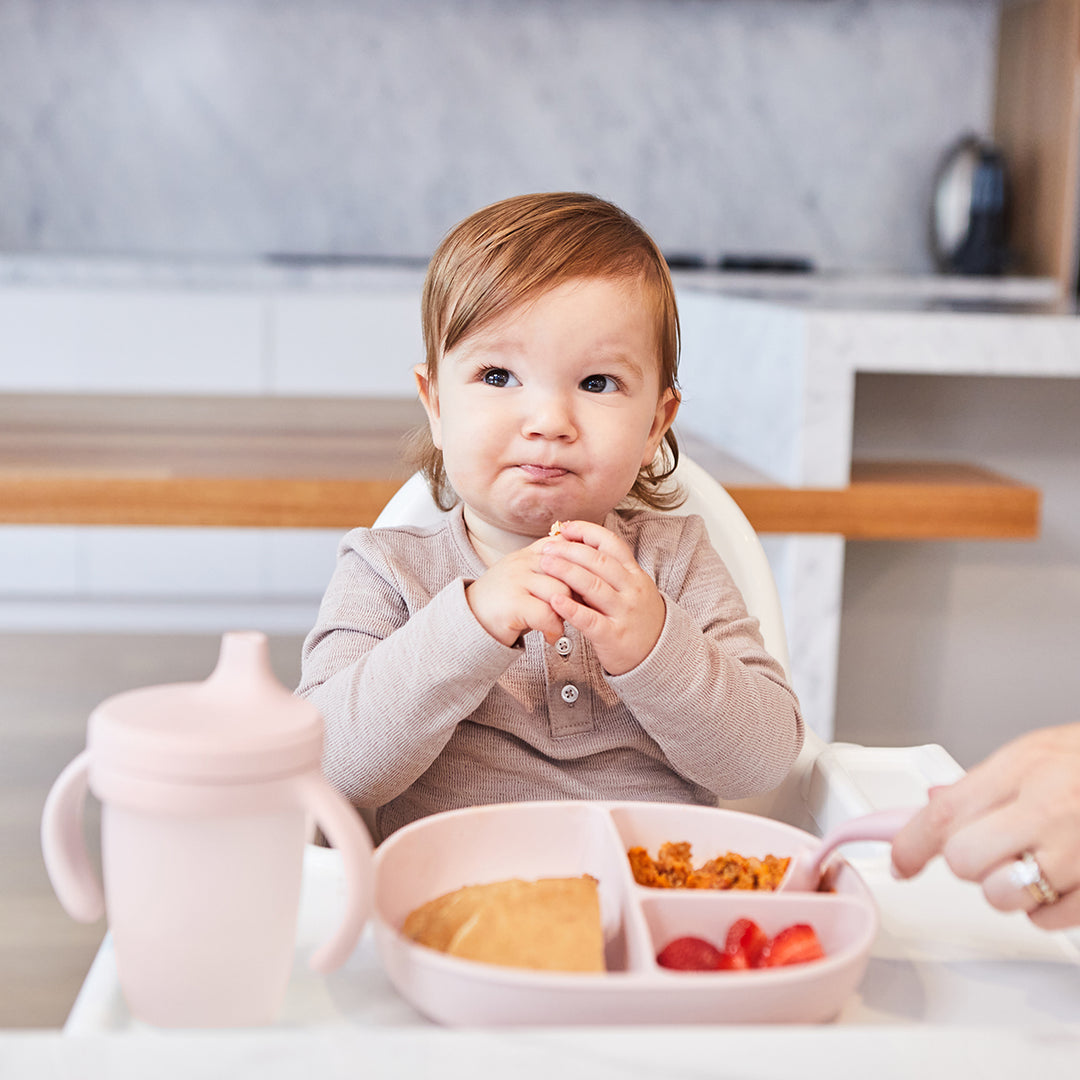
x,y
244,658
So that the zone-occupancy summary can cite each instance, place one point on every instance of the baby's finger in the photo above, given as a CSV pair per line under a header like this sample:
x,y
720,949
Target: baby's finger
x,y
596,536
545,588
578,615
595,580
540,615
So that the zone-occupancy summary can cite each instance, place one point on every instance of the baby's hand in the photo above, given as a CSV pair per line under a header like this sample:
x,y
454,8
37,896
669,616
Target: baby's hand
x,y
514,596
611,600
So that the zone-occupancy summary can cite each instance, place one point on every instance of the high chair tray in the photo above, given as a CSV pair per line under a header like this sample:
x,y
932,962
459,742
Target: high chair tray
x,y
441,853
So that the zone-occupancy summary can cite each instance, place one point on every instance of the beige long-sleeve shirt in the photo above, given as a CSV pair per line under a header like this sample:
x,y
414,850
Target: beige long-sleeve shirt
x,y
425,711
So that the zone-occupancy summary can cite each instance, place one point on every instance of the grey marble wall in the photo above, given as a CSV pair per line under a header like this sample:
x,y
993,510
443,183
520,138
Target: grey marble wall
x,y
370,126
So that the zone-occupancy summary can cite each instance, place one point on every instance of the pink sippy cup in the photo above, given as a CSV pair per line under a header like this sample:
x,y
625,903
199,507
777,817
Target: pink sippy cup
x,y
207,791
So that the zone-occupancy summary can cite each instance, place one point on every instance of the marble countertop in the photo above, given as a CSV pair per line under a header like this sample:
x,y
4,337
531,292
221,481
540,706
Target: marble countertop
x,y
828,289
881,290
766,1053
209,273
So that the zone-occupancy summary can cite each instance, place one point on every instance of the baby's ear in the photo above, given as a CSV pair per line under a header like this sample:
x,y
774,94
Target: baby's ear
x,y
666,408
429,398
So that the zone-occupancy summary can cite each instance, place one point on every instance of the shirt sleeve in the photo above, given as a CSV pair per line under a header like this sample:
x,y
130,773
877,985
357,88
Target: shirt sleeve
x,y
718,705
390,688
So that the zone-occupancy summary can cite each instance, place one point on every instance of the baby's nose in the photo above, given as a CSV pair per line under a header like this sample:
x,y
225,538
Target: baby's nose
x,y
550,416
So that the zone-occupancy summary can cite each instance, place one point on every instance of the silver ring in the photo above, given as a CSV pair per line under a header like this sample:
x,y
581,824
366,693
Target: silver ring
x,y
1026,873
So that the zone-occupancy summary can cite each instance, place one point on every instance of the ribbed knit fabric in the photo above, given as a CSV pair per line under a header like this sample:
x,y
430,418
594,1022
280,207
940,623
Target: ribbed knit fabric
x,y
425,711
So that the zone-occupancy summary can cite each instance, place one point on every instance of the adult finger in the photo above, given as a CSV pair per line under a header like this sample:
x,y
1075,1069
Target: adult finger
x,y
998,837
987,786
1021,884
1060,915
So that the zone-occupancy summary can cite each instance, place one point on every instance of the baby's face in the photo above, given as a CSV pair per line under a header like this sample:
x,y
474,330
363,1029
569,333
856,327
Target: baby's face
x,y
549,412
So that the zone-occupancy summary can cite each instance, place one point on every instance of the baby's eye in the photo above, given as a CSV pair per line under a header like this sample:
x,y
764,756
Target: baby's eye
x,y
599,384
498,376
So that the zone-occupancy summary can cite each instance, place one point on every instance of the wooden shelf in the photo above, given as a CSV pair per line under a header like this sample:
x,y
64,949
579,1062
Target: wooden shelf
x,y
316,463
911,500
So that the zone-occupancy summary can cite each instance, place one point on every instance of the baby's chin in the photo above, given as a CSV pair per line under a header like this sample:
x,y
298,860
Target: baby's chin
x,y
534,517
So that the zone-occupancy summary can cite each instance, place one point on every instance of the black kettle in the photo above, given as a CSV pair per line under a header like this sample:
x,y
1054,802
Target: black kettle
x,y
970,210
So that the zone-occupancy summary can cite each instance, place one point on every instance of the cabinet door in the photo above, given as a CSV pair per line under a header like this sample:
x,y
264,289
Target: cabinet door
x,y
1037,124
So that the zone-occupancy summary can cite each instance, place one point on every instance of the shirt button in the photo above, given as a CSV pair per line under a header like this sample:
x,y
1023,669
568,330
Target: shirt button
x,y
569,693
563,646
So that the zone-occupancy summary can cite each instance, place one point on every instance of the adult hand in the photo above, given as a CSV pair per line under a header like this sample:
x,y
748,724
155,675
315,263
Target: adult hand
x,y
514,596
610,599
1023,798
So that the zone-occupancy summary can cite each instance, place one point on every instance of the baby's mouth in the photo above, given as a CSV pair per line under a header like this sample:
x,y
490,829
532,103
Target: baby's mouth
x,y
542,472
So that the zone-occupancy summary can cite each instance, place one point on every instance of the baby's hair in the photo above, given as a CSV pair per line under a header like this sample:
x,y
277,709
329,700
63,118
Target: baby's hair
x,y
515,250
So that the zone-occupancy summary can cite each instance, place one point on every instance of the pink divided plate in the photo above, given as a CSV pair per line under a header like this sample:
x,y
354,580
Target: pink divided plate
x,y
565,839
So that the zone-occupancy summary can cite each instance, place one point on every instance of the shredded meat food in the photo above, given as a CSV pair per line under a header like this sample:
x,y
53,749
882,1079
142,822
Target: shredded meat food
x,y
673,869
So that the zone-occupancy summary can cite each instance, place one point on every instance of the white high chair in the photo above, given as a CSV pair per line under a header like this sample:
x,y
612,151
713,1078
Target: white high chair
x,y
828,783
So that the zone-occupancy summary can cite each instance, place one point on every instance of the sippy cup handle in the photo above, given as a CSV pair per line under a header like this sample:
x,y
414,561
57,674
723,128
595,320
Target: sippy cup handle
x,y
64,847
345,831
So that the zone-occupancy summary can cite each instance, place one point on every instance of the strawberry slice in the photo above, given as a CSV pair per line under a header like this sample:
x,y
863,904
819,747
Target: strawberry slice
x,y
744,945
690,954
796,944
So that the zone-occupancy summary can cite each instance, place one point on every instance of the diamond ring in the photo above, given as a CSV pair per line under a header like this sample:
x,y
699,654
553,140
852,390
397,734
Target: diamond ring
x,y
1026,873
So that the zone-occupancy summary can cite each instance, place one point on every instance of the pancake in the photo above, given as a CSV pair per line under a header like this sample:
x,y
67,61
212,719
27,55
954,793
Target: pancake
x,y
548,925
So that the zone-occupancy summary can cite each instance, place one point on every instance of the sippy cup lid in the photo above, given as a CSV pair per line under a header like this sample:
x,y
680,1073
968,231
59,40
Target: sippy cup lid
x,y
240,724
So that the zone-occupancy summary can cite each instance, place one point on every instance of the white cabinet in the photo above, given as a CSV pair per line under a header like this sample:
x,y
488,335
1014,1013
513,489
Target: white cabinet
x,y
138,341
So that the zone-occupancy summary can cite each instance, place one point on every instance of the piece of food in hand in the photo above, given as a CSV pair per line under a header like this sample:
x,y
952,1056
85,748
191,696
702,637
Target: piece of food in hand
x,y
548,925
744,946
796,944
556,529
690,954
673,869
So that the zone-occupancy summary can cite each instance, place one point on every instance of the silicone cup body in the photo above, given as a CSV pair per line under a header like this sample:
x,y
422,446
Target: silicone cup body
x,y
203,913
202,887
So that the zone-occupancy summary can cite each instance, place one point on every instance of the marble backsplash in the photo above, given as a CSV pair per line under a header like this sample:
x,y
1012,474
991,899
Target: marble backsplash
x,y
239,127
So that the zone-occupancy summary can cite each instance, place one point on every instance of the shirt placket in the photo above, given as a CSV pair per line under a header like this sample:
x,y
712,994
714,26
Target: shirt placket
x,y
570,699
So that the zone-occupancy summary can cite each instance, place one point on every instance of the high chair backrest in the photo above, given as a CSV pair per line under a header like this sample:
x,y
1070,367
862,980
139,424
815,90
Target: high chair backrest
x,y
740,547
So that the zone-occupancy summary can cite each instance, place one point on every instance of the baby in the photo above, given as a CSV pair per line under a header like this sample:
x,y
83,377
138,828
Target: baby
x,y
492,658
